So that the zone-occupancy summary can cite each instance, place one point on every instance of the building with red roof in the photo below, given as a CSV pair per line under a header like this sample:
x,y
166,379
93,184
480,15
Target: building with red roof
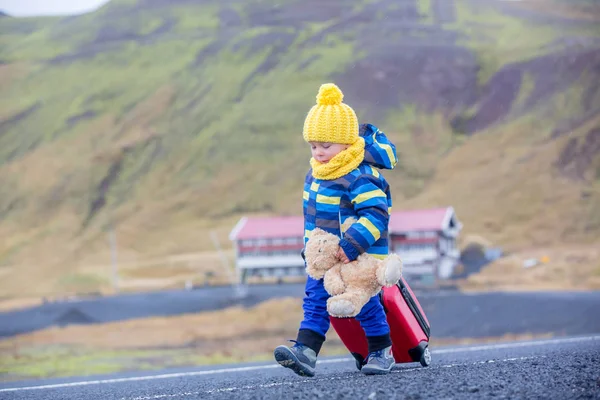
x,y
425,240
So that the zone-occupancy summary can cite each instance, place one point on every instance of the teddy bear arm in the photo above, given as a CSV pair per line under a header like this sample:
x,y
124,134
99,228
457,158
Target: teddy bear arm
x,y
333,281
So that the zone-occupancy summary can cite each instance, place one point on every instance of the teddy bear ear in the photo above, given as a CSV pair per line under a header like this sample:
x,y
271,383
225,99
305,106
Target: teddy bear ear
x,y
318,232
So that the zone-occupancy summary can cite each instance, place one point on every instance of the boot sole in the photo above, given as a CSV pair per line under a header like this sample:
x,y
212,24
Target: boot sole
x,y
286,358
375,371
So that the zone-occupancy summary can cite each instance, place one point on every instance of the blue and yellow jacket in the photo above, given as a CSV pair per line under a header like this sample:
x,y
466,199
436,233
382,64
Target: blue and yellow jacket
x,y
363,194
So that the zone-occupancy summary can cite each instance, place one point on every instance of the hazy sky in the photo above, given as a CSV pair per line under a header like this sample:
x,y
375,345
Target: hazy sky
x,y
21,8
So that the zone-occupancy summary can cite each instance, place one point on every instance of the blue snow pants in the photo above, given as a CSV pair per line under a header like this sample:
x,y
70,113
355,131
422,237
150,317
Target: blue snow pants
x,y
372,317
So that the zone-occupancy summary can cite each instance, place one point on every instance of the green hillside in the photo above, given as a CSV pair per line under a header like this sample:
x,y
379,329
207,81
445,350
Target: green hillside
x,y
170,118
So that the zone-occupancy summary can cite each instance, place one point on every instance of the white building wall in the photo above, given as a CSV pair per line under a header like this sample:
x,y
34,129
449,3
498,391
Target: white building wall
x,y
418,269
285,261
446,267
416,253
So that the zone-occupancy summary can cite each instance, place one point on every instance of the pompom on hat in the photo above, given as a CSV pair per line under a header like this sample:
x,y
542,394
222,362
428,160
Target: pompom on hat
x,y
330,120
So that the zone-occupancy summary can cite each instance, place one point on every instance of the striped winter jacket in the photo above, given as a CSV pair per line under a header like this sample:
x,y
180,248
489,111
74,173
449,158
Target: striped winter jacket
x,y
363,194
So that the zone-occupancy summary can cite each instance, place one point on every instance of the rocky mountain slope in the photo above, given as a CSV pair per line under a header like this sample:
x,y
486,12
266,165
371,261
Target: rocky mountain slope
x,y
167,119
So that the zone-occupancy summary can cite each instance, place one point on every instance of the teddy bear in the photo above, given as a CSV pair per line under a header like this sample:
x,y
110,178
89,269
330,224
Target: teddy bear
x,y
349,285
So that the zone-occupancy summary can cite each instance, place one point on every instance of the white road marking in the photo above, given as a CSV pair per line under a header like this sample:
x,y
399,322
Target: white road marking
x,y
490,361
312,380
498,346
327,361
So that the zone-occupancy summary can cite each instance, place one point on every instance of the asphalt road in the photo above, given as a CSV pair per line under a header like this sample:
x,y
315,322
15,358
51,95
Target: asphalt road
x,y
563,368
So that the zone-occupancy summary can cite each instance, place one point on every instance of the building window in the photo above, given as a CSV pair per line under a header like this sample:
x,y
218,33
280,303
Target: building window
x,y
410,247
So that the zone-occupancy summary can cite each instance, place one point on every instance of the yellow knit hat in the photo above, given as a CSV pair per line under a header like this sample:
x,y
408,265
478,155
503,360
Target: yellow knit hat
x,y
331,120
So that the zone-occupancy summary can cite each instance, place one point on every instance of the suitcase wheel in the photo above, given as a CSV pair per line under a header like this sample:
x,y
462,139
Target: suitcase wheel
x,y
358,359
358,365
425,358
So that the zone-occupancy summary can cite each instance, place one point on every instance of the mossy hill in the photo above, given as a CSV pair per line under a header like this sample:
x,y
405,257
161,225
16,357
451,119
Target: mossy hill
x,y
169,118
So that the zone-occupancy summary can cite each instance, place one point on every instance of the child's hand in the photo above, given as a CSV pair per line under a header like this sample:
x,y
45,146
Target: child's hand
x,y
342,256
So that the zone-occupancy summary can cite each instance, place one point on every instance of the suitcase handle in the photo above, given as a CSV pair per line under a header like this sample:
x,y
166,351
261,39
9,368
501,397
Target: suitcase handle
x,y
411,305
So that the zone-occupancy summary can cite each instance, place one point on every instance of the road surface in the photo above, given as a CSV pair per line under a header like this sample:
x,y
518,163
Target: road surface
x,y
562,368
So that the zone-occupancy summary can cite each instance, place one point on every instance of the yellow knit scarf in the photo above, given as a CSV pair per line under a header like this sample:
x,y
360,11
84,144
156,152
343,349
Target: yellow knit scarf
x,y
341,164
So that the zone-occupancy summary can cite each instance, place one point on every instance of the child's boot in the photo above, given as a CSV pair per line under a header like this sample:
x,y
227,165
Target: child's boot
x,y
379,362
299,358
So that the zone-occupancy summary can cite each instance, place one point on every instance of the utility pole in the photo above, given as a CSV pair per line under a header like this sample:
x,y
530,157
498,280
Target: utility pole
x,y
112,239
235,281
98,159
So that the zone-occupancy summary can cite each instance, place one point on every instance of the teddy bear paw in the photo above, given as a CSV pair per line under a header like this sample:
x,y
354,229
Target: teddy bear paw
x,y
393,271
341,308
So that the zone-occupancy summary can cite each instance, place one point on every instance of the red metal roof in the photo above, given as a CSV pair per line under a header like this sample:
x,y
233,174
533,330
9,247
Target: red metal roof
x,y
268,228
293,226
418,220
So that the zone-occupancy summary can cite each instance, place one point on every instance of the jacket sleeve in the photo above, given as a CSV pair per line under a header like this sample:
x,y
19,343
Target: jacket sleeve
x,y
371,206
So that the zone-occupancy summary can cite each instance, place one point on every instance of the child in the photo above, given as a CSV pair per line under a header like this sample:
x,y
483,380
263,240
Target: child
x,y
342,183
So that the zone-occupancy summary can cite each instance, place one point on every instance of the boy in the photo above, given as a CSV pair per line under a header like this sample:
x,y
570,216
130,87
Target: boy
x,y
342,183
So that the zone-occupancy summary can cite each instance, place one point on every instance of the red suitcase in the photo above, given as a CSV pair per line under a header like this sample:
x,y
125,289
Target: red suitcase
x,y
409,328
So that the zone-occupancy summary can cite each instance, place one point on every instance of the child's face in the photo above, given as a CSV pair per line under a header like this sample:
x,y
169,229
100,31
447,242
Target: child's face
x,y
323,152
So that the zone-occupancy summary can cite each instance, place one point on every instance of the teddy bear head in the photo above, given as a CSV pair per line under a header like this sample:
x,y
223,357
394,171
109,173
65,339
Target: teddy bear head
x,y
321,253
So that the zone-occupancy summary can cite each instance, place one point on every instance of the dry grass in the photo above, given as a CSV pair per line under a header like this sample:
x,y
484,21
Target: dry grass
x,y
267,322
508,192
567,268
579,11
256,330
17,303
60,248
505,187
146,256
232,335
